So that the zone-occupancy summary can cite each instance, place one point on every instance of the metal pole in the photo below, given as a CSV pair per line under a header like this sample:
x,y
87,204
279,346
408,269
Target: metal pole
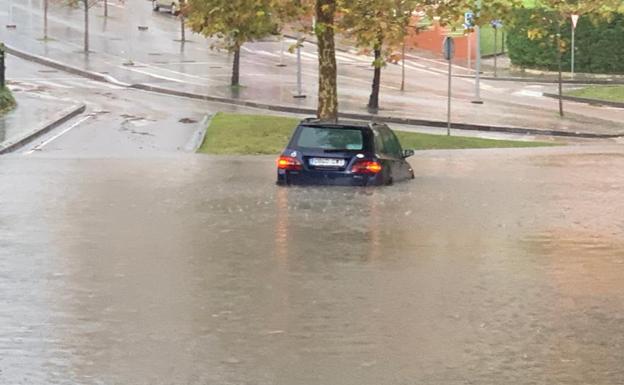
x,y
477,99
403,66
469,52
299,94
573,43
495,52
448,116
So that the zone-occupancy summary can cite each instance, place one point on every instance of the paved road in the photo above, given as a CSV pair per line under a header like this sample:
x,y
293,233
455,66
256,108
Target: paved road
x,y
491,267
159,60
119,122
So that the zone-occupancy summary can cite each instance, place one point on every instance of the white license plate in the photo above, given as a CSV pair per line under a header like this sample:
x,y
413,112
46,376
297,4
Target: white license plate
x,y
327,162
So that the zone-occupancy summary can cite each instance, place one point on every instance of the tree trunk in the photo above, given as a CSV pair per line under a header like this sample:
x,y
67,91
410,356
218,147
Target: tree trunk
x,y
45,20
236,67
105,8
328,82
373,100
86,26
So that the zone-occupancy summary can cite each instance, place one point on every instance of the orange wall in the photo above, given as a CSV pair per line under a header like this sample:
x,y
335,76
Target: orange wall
x,y
431,40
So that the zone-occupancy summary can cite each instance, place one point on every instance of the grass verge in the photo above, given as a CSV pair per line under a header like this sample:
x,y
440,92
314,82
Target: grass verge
x,y
7,102
267,134
608,93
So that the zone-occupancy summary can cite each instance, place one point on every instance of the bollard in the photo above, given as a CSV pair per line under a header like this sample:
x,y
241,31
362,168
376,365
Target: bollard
x,y
2,67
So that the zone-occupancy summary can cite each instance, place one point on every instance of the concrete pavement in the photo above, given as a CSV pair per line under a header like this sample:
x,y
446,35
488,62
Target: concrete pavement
x,y
152,57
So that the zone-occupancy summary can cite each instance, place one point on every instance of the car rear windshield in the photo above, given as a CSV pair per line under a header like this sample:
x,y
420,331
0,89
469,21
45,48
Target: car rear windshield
x,y
330,138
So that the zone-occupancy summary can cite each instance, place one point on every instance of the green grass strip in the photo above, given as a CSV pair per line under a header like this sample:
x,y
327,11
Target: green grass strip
x,y
238,134
608,93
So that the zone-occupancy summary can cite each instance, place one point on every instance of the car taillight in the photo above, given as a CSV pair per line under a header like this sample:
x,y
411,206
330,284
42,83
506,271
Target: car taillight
x,y
366,167
288,163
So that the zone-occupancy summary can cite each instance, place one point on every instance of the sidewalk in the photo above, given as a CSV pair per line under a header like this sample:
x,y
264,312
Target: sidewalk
x,y
160,63
34,114
505,71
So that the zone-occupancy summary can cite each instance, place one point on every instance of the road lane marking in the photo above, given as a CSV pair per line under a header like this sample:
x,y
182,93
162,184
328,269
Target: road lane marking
x,y
533,94
53,138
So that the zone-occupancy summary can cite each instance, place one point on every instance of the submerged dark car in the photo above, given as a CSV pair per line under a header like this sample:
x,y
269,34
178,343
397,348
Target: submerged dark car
x,y
343,153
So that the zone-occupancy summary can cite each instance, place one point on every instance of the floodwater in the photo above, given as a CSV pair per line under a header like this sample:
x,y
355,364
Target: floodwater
x,y
493,267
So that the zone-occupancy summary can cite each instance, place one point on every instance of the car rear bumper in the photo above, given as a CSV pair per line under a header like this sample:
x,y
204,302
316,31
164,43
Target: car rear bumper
x,y
327,178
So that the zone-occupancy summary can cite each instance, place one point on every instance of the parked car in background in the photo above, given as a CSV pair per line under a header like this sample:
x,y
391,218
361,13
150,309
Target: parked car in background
x,y
173,6
343,153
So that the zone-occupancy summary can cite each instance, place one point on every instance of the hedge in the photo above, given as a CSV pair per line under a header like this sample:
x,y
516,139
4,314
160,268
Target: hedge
x,y
599,45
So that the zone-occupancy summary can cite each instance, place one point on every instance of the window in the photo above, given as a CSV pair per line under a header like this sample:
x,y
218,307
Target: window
x,y
391,144
326,138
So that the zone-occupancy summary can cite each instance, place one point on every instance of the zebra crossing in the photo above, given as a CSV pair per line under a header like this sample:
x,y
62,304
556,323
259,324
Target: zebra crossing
x,y
65,83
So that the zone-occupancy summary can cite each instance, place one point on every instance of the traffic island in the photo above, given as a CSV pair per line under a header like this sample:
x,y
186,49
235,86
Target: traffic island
x,y
612,96
239,134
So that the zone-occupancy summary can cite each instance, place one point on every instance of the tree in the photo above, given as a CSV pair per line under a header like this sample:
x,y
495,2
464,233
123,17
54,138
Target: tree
x,y
86,4
380,25
553,16
325,11
234,23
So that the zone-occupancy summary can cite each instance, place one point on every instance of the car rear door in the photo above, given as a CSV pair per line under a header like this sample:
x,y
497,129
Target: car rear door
x,y
392,146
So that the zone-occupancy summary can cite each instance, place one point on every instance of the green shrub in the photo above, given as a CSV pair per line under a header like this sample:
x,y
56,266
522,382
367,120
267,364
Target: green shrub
x,y
7,101
599,44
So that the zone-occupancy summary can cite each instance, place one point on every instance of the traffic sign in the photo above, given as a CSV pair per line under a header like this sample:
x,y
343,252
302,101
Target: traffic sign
x,y
575,19
496,24
448,48
469,20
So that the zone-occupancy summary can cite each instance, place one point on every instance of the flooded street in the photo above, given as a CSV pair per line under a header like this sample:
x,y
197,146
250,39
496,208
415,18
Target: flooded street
x,y
492,267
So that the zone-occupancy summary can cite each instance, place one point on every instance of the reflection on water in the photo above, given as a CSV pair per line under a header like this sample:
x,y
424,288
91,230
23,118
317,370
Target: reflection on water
x,y
200,270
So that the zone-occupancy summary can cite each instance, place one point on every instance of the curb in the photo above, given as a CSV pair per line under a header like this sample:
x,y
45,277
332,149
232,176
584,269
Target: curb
x,y
385,119
199,135
548,81
63,67
594,102
64,116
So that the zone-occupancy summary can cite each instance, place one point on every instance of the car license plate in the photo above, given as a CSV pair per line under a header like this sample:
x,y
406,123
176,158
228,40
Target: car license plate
x,y
327,162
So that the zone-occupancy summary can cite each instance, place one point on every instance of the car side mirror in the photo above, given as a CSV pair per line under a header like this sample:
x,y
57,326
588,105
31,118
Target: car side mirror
x,y
408,153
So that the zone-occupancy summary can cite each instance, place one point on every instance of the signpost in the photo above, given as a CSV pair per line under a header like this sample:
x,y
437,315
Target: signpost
x,y
477,99
468,26
300,94
449,51
496,24
575,19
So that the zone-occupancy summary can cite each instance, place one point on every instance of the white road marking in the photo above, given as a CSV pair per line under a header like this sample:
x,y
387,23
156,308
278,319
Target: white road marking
x,y
111,4
53,84
153,75
102,84
50,140
266,53
533,94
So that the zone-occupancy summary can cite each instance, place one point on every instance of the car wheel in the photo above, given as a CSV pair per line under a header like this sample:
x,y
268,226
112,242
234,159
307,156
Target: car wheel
x,y
155,6
174,10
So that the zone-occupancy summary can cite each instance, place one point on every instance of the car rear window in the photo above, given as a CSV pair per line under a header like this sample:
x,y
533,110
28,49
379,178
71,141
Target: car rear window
x,y
331,138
